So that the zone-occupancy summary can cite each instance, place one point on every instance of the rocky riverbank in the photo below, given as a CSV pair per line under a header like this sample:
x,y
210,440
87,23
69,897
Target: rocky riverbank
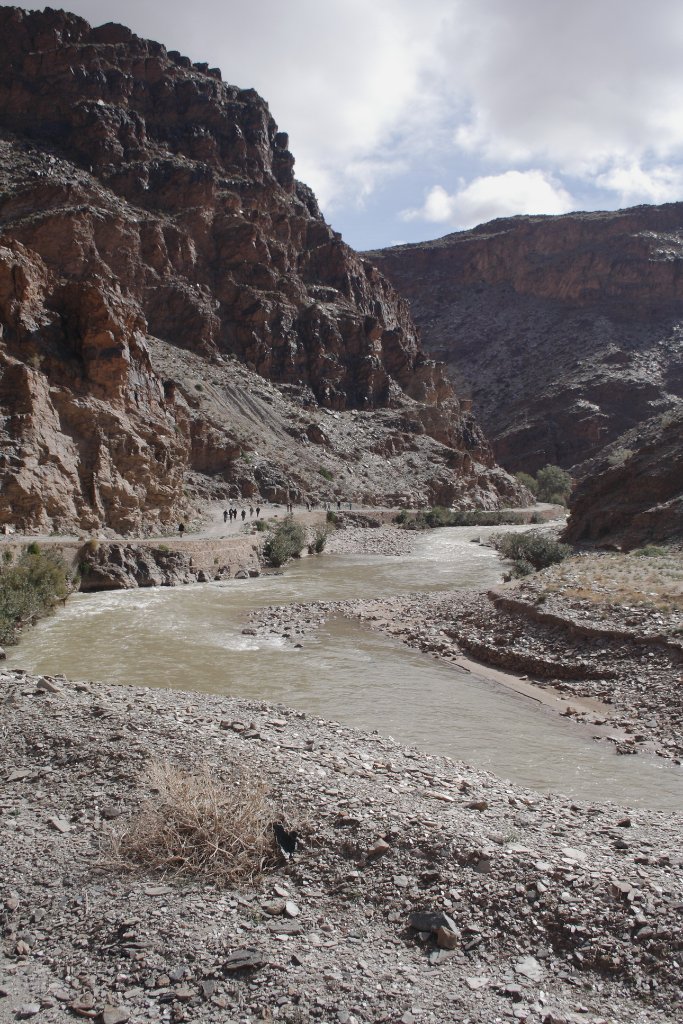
x,y
120,566
602,627
421,890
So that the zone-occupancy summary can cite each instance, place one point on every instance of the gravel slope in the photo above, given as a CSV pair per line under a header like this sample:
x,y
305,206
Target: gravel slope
x,y
554,911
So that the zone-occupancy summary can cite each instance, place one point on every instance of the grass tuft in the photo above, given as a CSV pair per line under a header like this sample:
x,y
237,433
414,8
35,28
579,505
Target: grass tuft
x,y
197,825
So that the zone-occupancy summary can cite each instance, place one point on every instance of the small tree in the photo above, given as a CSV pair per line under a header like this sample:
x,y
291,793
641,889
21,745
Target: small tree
x,y
531,550
316,546
439,516
526,480
30,588
554,485
286,542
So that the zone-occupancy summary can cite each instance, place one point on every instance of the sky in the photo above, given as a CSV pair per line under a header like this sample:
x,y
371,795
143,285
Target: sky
x,y
414,118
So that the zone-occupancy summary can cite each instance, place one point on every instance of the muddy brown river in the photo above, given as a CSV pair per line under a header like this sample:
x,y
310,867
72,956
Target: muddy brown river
x,y
190,638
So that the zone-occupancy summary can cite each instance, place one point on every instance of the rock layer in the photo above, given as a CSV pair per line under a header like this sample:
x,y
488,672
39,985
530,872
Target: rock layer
x,y
143,198
566,331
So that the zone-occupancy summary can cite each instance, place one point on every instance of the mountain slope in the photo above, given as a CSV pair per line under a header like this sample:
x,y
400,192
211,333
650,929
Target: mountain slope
x,y
142,198
566,331
633,493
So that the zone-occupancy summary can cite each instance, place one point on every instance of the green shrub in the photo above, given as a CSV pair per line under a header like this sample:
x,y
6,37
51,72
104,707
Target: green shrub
x,y
401,517
317,545
530,551
528,481
554,485
326,473
287,541
416,522
33,548
650,551
30,589
332,517
439,516
261,525
8,556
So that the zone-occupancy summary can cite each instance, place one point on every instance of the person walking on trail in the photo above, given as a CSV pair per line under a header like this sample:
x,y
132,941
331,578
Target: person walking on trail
x,y
181,528
258,511
244,514
225,516
251,511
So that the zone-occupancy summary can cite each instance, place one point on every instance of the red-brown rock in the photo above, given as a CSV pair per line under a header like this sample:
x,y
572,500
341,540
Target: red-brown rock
x,y
566,331
146,209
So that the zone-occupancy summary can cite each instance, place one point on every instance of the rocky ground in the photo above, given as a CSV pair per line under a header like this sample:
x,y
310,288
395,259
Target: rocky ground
x,y
384,540
421,890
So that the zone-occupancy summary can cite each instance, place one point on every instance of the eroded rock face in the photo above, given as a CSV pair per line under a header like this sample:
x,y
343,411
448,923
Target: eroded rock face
x,y
634,496
566,331
142,198
128,566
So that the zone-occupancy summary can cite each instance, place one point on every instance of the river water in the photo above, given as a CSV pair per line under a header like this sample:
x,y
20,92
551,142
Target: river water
x,y
190,638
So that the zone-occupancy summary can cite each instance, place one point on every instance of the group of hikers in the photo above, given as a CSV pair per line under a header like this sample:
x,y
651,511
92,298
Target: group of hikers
x,y
232,513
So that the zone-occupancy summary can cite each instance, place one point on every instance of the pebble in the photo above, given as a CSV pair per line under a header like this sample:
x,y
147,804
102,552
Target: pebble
x,y
530,968
114,1015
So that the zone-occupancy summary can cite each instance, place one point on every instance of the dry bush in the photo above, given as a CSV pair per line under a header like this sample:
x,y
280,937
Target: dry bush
x,y
198,825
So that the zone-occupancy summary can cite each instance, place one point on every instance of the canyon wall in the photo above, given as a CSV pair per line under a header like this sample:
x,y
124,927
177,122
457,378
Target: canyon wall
x,y
632,494
176,315
565,331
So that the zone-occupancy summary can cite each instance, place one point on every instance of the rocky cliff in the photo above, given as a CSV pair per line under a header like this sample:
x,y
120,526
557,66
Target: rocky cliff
x,y
633,493
159,266
566,331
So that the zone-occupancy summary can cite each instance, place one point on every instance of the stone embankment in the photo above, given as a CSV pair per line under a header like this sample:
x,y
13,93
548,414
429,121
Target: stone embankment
x,y
421,890
114,566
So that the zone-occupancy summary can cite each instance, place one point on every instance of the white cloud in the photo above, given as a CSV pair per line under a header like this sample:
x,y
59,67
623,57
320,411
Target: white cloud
x,y
496,195
591,89
578,85
633,184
